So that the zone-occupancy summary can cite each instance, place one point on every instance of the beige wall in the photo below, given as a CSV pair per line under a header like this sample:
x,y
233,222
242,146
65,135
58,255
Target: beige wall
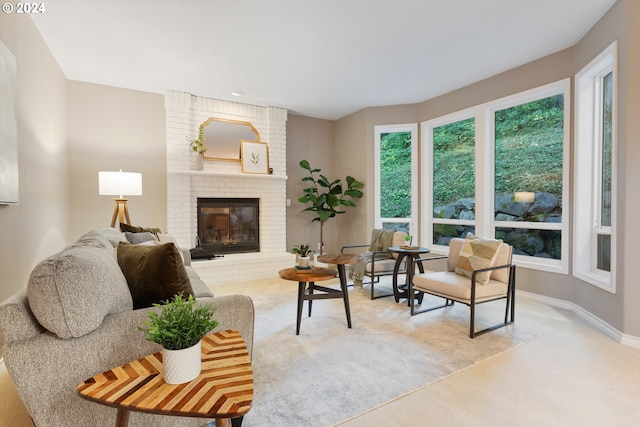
x,y
611,27
111,129
355,156
38,225
352,158
627,273
307,139
622,22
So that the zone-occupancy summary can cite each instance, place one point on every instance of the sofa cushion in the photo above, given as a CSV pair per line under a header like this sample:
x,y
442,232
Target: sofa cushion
x,y
169,238
477,253
154,273
112,235
72,291
94,239
200,290
138,238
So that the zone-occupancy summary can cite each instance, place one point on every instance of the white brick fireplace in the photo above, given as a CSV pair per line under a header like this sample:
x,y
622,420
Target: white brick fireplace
x,y
224,179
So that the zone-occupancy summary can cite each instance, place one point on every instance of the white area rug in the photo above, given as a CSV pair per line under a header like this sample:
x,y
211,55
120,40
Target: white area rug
x,y
329,373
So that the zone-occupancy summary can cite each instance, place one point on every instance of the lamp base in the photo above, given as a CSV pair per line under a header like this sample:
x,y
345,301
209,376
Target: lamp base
x,y
121,212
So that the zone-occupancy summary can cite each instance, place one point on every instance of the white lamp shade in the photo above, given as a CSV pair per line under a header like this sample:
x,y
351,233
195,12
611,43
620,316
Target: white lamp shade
x,y
119,184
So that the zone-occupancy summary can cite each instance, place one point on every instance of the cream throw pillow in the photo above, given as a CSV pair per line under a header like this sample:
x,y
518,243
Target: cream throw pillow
x,y
477,253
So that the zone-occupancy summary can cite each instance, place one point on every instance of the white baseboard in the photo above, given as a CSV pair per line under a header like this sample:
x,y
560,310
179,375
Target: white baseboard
x,y
2,367
600,324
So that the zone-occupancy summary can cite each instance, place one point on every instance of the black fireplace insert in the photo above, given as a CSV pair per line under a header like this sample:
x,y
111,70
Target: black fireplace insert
x,y
229,225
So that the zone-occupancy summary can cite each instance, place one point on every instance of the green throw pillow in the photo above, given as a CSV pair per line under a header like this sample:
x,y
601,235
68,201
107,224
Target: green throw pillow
x,y
154,273
137,229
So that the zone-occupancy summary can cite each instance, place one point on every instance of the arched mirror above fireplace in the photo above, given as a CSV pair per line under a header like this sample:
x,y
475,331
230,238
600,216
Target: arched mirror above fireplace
x,y
222,138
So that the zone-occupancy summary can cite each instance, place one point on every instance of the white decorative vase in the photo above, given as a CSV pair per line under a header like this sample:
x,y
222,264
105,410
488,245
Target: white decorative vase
x,y
199,163
302,261
181,366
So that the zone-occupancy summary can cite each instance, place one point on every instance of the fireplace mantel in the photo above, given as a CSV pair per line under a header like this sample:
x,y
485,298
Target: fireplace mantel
x,y
226,174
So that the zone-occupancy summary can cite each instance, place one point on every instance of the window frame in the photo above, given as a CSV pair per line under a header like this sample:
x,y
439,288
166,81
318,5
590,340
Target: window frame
x,y
413,221
588,141
427,159
485,223
562,87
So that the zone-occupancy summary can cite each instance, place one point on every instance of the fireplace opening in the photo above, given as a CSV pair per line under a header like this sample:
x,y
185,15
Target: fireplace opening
x,y
229,225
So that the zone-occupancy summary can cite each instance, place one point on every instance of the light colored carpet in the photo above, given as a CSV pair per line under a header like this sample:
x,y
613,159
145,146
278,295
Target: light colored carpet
x,y
330,373
571,375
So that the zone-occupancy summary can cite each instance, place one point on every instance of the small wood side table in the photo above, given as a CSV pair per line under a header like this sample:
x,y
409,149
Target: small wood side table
x,y
316,274
223,390
340,260
410,252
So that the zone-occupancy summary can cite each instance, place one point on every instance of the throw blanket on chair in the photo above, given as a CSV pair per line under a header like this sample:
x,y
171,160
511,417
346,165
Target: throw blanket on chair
x,y
380,242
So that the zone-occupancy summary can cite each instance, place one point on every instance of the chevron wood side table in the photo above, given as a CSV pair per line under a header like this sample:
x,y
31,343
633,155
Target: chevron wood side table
x,y
223,390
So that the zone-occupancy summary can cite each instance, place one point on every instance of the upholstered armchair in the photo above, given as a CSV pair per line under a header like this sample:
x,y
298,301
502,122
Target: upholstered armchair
x,y
377,259
478,271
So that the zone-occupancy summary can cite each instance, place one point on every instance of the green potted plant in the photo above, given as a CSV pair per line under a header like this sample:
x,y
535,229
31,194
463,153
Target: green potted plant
x,y
408,239
303,253
326,197
197,145
179,327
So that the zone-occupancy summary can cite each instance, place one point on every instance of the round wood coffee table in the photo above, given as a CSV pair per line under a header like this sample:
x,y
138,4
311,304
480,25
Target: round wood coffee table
x,y
316,274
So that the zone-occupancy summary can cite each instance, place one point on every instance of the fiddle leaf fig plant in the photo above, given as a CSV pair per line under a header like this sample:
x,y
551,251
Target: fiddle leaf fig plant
x,y
179,324
325,197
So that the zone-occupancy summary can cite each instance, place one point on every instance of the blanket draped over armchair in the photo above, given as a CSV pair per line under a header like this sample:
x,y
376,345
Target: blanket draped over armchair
x,y
380,242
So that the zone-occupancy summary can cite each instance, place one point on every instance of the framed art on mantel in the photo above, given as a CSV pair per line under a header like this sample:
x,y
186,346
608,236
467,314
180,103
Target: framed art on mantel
x,y
9,189
255,157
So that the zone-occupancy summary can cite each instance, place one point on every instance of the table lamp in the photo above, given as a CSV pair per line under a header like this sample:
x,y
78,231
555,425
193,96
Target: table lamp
x,y
120,184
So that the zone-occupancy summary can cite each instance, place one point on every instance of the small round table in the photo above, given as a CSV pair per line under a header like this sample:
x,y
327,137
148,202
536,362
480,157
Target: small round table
x,y
340,260
413,252
316,274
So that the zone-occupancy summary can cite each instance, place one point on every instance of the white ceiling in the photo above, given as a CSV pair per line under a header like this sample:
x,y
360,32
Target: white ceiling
x,y
322,58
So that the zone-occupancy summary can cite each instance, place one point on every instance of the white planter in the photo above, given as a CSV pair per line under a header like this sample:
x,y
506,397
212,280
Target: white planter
x,y
302,261
181,366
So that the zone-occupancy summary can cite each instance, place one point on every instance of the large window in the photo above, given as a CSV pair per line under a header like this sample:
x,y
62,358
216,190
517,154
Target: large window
x,y
595,147
454,180
396,177
528,184
500,170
